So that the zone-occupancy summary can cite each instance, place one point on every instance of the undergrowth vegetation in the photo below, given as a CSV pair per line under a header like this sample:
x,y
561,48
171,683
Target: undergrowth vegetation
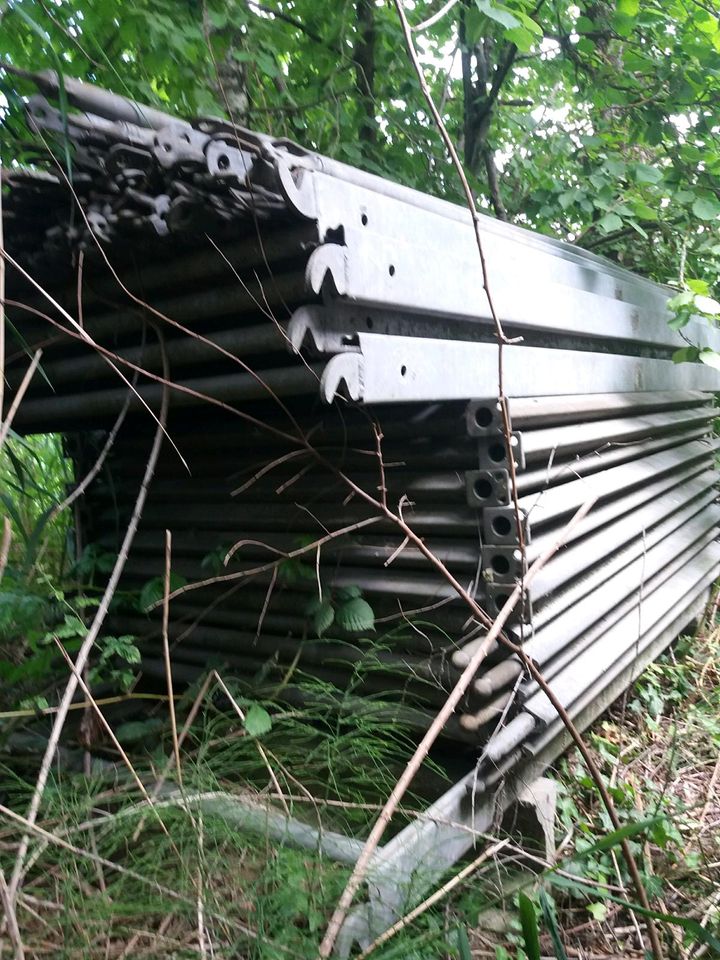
x,y
139,855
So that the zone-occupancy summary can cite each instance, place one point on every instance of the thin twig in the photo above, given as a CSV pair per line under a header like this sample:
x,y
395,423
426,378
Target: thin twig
x,y
166,654
17,399
434,897
432,734
10,914
89,641
5,545
51,838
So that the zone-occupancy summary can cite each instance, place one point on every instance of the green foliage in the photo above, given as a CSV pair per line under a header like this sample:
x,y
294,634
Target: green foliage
x,y
154,590
342,606
602,131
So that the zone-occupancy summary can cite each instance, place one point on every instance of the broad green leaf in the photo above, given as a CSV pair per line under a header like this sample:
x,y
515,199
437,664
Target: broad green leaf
x,y
154,589
707,305
628,8
686,355
609,223
499,13
699,286
323,617
355,616
348,593
598,910
710,358
706,208
257,721
644,173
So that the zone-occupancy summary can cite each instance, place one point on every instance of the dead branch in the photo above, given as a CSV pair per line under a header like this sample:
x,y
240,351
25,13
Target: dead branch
x,y
431,736
88,644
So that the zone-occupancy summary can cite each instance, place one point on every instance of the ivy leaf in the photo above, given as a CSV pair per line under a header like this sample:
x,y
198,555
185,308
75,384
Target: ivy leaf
x,y
257,721
355,616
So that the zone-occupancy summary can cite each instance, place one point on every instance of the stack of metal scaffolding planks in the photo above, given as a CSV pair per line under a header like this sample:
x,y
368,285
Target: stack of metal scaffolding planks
x,y
294,299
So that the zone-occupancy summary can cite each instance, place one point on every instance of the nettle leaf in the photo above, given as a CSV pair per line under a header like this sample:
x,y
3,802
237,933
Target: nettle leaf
x,y
323,617
257,721
348,593
355,616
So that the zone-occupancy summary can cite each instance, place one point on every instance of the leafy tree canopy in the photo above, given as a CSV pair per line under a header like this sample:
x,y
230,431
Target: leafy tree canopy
x,y
595,121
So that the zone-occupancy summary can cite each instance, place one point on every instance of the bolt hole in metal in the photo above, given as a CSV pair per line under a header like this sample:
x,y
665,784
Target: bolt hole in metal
x,y
501,526
364,220
500,564
223,161
496,452
483,416
403,370
483,488
391,270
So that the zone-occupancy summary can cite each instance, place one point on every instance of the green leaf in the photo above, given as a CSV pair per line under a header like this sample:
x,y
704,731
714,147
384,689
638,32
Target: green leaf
x,y
701,934
623,833
598,910
529,924
154,589
707,305
463,944
643,211
699,286
710,358
609,223
348,593
323,617
355,616
706,208
680,320
257,721
628,8
499,13
686,355
644,173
